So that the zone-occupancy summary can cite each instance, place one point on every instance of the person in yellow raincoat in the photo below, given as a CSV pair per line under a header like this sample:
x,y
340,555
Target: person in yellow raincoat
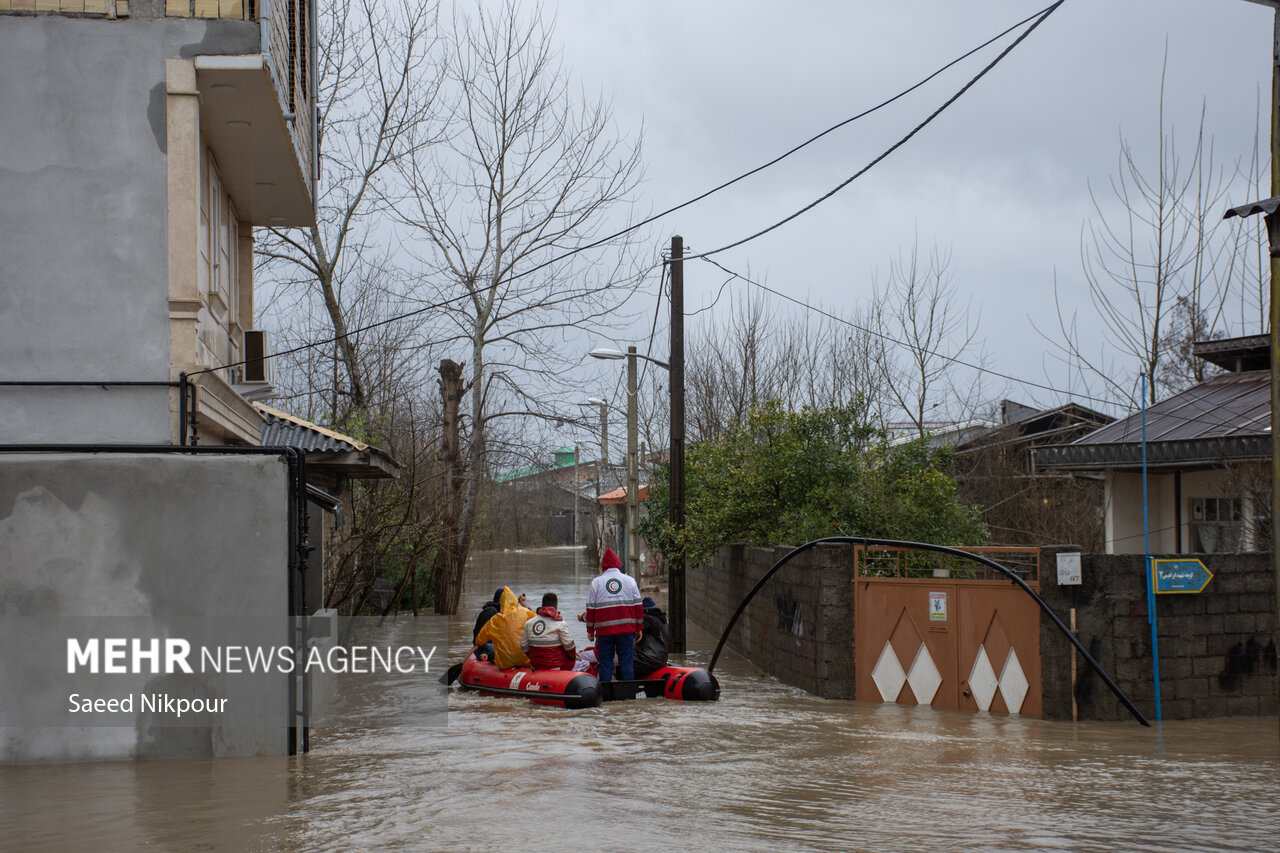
x,y
503,630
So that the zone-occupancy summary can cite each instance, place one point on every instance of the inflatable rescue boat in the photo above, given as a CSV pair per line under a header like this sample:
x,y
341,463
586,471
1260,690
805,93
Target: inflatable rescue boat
x,y
568,689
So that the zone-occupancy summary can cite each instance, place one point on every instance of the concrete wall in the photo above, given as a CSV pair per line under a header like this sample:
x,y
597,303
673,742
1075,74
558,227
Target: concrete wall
x,y
83,246
799,628
1217,647
131,546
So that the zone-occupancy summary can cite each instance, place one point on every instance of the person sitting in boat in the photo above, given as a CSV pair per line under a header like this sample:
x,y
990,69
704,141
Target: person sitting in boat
x,y
614,617
487,612
546,639
655,643
503,630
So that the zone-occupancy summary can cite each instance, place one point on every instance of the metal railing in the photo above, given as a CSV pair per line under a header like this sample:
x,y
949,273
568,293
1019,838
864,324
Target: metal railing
x,y
900,562
289,44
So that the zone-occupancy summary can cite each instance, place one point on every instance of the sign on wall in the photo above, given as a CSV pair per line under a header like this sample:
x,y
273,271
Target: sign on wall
x,y
1069,573
1186,576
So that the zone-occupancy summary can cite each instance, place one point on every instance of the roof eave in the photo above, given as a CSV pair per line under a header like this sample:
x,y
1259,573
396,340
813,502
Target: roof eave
x,y
1095,457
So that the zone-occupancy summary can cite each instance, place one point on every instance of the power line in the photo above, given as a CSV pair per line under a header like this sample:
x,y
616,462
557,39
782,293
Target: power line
x,y
655,217
1043,16
949,358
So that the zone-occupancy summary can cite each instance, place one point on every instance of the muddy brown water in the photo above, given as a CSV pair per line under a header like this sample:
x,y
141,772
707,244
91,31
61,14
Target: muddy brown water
x,y
765,768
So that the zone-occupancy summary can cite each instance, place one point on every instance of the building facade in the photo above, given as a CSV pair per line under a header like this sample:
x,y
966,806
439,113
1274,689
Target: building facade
x,y
143,142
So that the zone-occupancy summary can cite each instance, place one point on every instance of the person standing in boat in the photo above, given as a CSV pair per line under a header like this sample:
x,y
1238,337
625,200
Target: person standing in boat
x,y
546,639
614,617
654,646
503,630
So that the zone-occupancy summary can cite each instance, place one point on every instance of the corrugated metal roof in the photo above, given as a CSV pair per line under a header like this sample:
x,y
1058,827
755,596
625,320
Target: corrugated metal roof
x,y
1235,405
285,430
1227,417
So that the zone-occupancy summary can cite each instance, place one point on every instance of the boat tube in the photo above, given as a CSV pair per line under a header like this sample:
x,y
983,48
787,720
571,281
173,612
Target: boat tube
x,y
568,689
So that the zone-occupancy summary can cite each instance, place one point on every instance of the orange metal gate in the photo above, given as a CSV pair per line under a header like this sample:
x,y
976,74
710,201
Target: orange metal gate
x,y
932,630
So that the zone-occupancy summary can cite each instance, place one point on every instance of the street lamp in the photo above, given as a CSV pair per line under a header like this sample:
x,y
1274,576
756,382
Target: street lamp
x,y
633,459
609,354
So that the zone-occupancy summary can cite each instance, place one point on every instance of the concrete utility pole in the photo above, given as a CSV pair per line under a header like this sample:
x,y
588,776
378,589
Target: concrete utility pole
x,y
633,469
675,579
1269,208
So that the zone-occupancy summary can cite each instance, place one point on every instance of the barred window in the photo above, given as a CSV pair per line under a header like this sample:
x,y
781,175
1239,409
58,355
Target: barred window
x,y
1217,524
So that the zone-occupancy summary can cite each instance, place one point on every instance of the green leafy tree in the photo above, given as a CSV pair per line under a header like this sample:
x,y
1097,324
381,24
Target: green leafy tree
x,y
789,477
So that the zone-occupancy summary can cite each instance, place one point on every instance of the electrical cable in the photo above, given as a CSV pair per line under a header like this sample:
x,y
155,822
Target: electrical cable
x,y
1042,18
951,359
655,217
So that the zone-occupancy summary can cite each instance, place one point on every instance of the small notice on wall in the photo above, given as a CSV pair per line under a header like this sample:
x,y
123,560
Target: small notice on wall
x,y
937,607
1069,568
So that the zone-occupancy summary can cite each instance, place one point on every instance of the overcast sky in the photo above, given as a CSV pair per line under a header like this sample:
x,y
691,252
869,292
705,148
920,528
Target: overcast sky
x,y
1000,179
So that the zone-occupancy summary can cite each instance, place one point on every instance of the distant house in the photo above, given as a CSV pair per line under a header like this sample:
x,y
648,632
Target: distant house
x,y
1023,506
541,504
1208,452
614,510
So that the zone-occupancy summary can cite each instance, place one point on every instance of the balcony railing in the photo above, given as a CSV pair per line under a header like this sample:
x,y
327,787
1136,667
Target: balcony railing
x,y
289,47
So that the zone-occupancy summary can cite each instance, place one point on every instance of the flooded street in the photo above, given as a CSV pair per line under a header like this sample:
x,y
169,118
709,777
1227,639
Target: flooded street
x,y
765,768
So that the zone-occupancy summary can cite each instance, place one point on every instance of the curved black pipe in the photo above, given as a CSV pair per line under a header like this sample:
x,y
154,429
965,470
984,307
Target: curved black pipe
x,y
941,549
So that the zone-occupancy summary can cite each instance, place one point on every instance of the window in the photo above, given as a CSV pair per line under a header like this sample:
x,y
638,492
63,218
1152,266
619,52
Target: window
x,y
1260,521
218,273
1217,524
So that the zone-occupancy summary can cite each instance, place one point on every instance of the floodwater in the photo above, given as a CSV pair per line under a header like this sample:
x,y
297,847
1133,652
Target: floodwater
x,y
765,768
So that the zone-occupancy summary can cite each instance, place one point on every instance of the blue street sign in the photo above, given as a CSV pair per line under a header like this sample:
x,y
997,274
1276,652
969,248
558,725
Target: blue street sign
x,y
1180,575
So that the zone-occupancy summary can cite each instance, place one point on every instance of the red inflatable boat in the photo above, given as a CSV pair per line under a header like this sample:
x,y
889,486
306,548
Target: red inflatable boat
x,y
568,689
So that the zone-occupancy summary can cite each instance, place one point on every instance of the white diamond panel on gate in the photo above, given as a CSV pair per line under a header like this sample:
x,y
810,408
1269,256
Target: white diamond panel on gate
x,y
982,680
924,677
888,674
1013,683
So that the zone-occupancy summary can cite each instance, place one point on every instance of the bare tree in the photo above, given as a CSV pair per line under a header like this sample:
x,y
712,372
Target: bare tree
x,y
923,339
376,94
526,171
336,292
1158,265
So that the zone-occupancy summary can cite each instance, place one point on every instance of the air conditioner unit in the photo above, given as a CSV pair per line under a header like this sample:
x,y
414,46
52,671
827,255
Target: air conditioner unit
x,y
257,361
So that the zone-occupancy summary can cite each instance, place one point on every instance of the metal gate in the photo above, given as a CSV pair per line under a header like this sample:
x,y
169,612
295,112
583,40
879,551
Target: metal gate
x,y
935,630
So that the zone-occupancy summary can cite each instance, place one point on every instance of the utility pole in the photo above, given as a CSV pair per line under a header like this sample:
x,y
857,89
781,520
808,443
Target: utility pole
x,y
633,469
575,497
1273,234
675,579
1271,208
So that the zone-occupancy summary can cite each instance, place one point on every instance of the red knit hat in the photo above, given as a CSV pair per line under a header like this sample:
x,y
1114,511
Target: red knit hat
x,y
610,560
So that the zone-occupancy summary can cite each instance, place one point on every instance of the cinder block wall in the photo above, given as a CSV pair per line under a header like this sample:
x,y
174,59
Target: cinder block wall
x,y
1217,647
798,628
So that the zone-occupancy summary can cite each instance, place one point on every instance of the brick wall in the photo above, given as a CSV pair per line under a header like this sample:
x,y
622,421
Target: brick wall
x,y
798,628
1217,647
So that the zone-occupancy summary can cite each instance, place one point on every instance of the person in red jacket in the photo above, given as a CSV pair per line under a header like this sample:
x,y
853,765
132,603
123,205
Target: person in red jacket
x,y
614,617
546,639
